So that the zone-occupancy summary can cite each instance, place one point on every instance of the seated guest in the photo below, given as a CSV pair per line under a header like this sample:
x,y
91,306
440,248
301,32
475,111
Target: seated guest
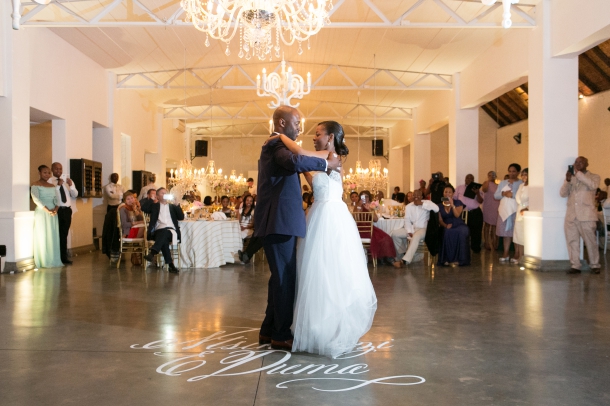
x,y
382,246
238,202
470,196
131,221
409,198
164,229
148,201
396,192
379,196
207,201
131,215
224,201
417,215
353,201
46,227
145,189
251,186
246,222
197,203
454,243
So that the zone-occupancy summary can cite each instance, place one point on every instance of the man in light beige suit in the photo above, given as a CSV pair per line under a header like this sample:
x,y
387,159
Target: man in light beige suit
x,y
581,214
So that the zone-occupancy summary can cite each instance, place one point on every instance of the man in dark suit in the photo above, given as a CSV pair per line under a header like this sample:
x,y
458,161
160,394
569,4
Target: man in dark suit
x,y
280,219
150,199
164,229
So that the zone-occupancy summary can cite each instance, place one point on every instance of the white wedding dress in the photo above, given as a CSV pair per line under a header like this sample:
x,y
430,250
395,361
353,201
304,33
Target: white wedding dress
x,y
335,301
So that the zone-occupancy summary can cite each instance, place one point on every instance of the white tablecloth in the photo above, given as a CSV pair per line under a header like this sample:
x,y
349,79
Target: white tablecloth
x,y
209,244
388,225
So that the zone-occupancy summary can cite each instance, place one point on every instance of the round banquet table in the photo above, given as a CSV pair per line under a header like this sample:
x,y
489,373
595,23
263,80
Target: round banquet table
x,y
209,244
389,225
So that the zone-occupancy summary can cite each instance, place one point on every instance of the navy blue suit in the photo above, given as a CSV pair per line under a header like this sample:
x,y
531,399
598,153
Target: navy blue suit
x,y
280,219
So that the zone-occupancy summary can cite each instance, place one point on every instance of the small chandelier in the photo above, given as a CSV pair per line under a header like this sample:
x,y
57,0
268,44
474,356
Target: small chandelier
x,y
506,22
283,87
293,20
185,178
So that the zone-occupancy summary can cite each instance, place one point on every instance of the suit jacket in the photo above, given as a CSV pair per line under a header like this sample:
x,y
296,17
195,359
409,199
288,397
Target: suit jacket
x,y
278,203
580,192
146,205
174,211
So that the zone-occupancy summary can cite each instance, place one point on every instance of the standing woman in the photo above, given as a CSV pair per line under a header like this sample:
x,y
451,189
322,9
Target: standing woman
x,y
505,228
46,227
523,203
455,249
490,212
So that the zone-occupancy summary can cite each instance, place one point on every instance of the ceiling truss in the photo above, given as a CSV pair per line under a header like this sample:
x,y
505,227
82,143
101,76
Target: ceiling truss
x,y
217,78
68,13
337,110
261,129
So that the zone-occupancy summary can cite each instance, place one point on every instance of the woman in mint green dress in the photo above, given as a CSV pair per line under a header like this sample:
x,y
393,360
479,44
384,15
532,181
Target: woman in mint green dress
x,y
46,228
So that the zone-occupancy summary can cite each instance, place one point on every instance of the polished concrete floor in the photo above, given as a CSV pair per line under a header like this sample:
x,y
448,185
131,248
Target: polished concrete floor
x,y
486,334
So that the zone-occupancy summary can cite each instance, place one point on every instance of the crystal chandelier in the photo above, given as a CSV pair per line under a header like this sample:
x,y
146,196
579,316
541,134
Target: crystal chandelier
x,y
506,22
293,20
283,87
185,179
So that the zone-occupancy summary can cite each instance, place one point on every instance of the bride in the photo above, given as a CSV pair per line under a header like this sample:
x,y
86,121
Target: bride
x,y
335,301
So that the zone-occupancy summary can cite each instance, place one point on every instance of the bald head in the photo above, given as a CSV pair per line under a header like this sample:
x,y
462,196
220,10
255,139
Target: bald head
x,y
581,163
57,169
287,120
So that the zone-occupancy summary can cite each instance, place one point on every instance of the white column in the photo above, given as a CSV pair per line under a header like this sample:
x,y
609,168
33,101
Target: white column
x,y
463,138
553,144
16,221
419,156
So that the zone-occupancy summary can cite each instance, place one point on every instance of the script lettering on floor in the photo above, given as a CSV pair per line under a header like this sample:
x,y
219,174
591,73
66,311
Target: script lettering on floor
x,y
238,356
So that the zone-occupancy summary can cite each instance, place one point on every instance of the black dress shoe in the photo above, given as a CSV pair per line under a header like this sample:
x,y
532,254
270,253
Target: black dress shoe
x,y
282,345
596,271
264,339
172,268
573,271
239,255
68,262
149,257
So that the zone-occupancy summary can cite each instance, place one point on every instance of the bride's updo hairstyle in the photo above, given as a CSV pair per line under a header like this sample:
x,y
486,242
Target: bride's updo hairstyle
x,y
332,127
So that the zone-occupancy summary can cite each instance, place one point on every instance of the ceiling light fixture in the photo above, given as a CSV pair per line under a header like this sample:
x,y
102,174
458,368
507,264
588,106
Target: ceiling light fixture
x,y
283,87
506,22
293,20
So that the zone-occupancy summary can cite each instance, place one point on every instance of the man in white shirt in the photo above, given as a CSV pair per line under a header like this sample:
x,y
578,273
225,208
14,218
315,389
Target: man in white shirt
x,y
251,187
66,191
145,189
113,192
164,229
417,215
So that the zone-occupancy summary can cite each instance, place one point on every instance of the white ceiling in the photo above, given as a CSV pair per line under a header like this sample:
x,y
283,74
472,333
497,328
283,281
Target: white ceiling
x,y
129,49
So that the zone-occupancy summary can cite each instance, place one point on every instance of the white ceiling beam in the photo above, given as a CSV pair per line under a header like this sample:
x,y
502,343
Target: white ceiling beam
x,y
128,80
385,22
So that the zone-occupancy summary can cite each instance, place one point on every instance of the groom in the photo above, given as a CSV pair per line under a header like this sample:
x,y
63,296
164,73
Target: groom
x,y
280,219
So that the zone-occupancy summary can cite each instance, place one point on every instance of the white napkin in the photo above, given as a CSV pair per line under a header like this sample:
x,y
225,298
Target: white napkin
x,y
221,216
507,207
507,188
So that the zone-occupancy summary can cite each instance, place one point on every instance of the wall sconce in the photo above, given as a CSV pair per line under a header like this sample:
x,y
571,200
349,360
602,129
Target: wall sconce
x,y
517,138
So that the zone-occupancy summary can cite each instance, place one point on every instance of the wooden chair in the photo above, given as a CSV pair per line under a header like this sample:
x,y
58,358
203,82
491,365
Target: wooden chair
x,y
131,245
465,215
364,222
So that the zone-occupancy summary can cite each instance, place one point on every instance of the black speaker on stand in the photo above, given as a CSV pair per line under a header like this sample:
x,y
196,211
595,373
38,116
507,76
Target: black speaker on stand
x,y
377,147
201,148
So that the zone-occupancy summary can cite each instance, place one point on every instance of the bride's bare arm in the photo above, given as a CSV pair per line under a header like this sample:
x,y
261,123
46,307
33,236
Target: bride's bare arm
x,y
295,149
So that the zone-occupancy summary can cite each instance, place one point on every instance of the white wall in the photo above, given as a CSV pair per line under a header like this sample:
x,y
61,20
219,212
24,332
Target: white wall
x,y
578,25
487,146
433,113
439,151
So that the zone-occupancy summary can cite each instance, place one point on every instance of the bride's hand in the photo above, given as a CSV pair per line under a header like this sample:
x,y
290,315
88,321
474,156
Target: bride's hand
x,y
274,137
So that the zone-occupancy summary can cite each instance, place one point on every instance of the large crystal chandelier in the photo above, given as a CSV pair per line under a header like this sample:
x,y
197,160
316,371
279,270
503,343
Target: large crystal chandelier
x,y
293,20
283,87
506,21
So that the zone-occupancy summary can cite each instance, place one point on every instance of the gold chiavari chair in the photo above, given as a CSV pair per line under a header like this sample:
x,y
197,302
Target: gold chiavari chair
x,y
364,222
131,245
